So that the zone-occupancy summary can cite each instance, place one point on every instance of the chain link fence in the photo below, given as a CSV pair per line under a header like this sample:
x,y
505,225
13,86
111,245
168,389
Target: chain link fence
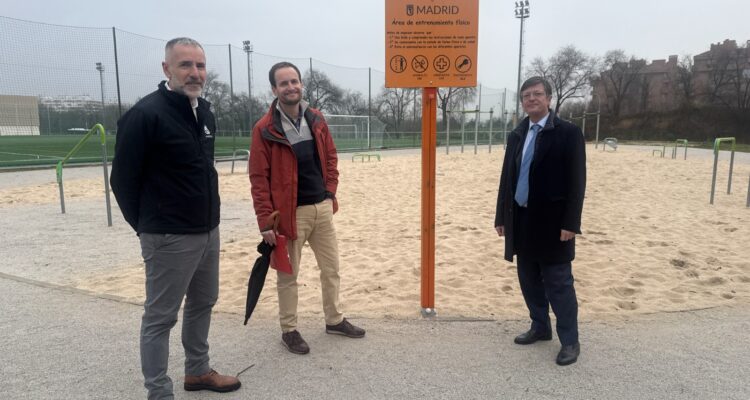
x,y
61,80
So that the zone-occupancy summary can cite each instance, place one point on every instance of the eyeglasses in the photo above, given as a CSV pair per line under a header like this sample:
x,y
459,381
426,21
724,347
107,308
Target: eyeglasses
x,y
535,95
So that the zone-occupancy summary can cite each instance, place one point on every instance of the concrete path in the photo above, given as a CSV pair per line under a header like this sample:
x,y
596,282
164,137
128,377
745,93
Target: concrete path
x,y
63,344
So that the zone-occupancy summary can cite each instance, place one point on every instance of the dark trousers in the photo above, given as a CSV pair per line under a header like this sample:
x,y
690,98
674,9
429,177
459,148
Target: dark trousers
x,y
544,285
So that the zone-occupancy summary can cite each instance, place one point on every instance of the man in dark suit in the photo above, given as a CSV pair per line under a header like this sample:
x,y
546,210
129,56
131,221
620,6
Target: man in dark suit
x,y
539,208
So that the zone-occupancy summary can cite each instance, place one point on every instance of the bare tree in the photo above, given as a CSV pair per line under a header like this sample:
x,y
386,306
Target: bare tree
x,y
393,105
684,81
729,77
454,98
644,90
322,93
569,72
352,103
218,94
621,73
739,80
214,90
245,108
719,76
573,108
416,107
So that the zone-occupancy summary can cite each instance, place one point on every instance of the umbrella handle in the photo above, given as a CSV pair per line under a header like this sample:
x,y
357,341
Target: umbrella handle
x,y
273,219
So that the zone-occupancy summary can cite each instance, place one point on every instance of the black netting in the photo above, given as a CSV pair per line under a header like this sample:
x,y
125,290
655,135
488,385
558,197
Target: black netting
x,y
58,81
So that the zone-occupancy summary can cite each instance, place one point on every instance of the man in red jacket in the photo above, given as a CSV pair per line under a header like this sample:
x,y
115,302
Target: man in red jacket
x,y
293,169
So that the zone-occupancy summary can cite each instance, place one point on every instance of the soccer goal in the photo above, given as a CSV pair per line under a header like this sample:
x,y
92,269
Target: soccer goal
x,y
355,132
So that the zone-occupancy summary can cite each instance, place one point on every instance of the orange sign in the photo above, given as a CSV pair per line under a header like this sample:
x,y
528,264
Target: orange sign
x,y
431,43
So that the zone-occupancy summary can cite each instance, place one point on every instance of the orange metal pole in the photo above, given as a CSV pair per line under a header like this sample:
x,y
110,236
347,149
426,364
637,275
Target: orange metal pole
x,y
429,144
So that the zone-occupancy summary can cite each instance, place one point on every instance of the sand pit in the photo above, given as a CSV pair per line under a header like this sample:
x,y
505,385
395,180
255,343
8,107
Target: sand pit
x,y
651,242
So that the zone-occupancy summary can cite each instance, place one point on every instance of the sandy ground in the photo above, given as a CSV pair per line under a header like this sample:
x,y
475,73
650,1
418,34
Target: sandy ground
x,y
651,241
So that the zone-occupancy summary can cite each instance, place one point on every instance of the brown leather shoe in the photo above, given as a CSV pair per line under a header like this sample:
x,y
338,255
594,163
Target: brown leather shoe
x,y
346,329
212,381
294,342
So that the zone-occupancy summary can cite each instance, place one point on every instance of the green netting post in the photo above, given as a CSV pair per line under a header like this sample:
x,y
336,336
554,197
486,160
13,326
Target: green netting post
x,y
448,132
463,135
490,135
476,122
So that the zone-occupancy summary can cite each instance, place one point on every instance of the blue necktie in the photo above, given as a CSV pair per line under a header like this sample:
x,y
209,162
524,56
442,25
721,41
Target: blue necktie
x,y
522,189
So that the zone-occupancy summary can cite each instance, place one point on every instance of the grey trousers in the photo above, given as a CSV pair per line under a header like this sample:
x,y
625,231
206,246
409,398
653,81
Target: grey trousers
x,y
177,267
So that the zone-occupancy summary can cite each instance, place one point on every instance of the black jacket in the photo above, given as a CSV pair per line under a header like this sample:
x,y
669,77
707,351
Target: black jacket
x,y
163,174
557,183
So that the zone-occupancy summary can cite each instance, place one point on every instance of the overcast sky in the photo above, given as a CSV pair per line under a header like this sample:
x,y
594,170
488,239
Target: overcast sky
x,y
351,32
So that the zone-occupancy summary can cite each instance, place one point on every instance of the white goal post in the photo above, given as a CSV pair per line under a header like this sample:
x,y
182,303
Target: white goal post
x,y
356,127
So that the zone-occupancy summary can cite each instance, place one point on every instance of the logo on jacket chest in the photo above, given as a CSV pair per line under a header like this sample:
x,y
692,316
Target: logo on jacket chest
x,y
207,132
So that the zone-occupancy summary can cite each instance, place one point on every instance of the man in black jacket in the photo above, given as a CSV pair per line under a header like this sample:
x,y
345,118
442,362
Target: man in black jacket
x,y
165,183
539,207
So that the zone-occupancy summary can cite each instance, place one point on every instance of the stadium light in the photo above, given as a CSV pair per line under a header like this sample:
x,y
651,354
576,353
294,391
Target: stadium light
x,y
248,47
100,68
522,12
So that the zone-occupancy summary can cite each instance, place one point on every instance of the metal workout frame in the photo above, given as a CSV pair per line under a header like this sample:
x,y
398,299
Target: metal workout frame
x,y
583,124
677,142
103,136
717,143
476,129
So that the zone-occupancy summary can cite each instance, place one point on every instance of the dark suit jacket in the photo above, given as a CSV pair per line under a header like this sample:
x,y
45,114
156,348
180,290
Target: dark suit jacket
x,y
557,182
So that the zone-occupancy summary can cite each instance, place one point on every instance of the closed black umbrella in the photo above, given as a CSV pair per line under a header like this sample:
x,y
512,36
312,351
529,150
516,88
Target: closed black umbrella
x,y
257,278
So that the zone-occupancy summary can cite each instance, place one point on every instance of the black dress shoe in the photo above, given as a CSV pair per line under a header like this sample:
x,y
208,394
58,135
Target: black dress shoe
x,y
531,336
568,354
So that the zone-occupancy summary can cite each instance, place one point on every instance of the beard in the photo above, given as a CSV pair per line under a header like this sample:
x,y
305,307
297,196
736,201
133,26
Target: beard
x,y
292,99
193,91
189,89
288,102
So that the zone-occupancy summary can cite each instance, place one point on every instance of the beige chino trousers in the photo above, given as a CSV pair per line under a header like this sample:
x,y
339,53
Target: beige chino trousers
x,y
314,226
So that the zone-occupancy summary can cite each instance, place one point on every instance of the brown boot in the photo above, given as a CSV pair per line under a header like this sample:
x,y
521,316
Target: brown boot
x,y
212,381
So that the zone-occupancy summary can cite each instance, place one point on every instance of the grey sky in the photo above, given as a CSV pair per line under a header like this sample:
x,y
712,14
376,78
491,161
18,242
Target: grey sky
x,y
351,32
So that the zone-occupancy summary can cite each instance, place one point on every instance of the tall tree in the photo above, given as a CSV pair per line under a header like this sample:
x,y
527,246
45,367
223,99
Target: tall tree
x,y
569,72
352,103
684,81
241,112
621,74
719,76
322,93
393,104
454,99
739,80
218,94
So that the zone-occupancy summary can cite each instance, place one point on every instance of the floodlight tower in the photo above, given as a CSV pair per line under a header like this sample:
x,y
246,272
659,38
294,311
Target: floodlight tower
x,y
522,12
100,68
248,47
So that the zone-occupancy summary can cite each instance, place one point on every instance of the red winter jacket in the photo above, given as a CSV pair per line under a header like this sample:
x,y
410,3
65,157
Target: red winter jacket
x,y
273,168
